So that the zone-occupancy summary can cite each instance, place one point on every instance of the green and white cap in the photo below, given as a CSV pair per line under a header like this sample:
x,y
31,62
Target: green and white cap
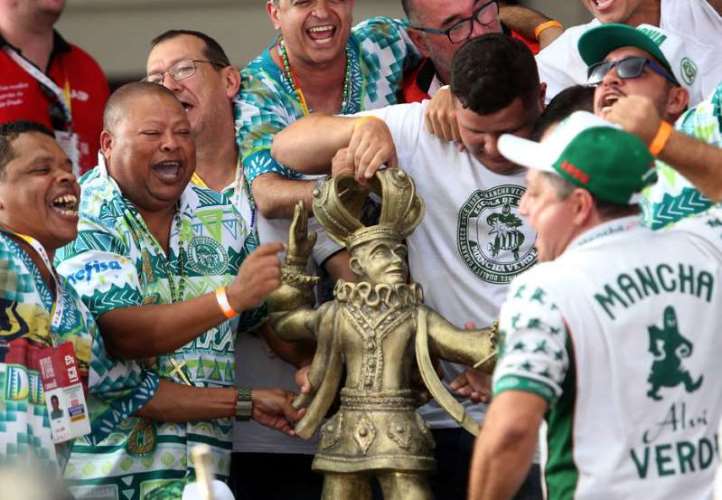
x,y
665,47
590,153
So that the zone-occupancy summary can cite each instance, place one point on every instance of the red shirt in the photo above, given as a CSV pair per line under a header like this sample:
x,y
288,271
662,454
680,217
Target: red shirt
x,y
415,87
23,98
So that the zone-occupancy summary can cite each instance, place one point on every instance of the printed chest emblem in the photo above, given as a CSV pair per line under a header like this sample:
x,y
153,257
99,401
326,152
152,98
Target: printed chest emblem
x,y
669,348
207,256
490,235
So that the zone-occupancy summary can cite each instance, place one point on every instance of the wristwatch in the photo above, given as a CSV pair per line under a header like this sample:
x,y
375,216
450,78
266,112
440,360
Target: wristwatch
x,y
244,404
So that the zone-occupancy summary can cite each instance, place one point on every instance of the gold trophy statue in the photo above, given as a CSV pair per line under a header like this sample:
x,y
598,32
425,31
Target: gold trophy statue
x,y
380,335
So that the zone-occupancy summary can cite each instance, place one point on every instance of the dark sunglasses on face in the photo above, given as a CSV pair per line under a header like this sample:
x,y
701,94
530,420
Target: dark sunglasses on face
x,y
629,67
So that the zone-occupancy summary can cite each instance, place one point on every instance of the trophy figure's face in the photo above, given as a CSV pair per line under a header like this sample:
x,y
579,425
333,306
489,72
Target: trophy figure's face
x,y
381,261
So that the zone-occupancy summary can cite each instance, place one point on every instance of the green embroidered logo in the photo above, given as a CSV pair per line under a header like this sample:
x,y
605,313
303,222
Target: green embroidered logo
x,y
669,347
489,235
688,70
656,36
207,256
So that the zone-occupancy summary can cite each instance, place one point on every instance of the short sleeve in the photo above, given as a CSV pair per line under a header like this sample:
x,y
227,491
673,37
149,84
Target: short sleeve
x,y
673,197
263,107
533,354
560,65
94,266
405,122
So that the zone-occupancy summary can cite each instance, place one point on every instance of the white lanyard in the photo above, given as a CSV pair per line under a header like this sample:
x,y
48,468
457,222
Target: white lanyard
x,y
62,95
241,185
57,309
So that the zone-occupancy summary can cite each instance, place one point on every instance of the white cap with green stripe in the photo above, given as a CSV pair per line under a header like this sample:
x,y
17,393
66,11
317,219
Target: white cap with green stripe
x,y
590,153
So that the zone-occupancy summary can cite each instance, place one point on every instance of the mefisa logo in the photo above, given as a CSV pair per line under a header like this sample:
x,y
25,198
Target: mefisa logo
x,y
92,270
491,237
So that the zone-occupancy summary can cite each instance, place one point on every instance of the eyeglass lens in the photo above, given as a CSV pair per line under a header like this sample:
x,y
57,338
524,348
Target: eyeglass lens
x,y
631,67
486,16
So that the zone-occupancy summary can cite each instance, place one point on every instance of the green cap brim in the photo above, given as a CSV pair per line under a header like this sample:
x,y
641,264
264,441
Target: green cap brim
x,y
595,44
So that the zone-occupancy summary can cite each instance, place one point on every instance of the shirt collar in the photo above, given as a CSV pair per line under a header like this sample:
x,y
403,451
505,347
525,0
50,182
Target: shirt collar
x,y
605,229
60,46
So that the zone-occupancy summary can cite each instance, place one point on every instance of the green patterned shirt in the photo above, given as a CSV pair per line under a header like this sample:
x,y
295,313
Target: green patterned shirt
x,y
114,263
673,197
379,51
25,327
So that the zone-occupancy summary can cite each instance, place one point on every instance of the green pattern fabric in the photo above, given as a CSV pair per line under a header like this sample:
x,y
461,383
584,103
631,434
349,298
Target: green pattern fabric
x,y
532,352
673,197
115,263
379,52
26,326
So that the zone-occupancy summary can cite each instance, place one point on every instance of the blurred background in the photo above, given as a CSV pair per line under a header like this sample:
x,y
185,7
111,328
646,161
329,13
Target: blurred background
x,y
117,32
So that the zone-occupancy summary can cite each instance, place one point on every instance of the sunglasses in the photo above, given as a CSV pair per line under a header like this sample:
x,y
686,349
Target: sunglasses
x,y
629,67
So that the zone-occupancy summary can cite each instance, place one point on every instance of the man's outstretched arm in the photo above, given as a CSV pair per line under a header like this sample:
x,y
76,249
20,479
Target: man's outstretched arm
x,y
309,145
182,403
505,448
696,160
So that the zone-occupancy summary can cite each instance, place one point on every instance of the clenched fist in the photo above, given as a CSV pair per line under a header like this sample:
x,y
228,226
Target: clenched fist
x,y
258,276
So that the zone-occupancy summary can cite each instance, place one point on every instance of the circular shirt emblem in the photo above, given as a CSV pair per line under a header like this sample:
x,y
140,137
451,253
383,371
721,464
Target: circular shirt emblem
x,y
491,237
689,70
207,256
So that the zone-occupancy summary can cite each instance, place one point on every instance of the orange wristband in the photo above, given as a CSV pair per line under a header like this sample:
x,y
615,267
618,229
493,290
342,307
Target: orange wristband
x,y
553,23
661,138
222,299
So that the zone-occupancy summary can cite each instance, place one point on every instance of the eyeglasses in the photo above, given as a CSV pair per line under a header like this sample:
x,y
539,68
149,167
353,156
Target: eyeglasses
x,y
180,70
629,67
487,16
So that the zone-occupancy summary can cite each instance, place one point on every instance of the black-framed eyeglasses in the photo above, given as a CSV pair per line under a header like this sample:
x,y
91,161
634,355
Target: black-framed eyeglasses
x,y
486,16
181,70
629,67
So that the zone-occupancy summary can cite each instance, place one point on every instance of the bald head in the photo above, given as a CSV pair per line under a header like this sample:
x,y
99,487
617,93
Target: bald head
x,y
123,98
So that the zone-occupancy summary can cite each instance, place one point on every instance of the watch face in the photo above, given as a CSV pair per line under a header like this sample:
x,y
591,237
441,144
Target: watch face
x,y
244,404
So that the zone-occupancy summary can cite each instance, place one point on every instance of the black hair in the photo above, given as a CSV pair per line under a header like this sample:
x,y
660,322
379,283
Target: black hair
x,y
491,71
212,50
566,102
10,131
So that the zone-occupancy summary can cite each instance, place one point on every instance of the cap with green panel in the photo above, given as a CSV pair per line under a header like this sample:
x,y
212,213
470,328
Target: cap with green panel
x,y
590,153
667,48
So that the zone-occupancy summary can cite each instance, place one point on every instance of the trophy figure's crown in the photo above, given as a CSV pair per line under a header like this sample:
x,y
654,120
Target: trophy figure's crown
x,y
338,202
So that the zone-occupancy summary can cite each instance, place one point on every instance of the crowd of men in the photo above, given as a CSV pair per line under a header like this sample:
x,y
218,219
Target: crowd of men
x,y
571,190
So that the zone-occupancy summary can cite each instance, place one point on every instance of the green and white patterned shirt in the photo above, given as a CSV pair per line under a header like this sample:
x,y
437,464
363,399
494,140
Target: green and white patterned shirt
x,y
379,52
673,197
114,263
25,326
626,355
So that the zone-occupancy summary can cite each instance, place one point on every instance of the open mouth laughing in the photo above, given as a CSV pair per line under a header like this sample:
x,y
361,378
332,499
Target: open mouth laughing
x,y
168,171
323,33
608,100
65,205
603,4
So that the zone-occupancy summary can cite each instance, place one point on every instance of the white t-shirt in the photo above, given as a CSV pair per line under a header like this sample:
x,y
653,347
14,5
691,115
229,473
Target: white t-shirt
x,y
471,242
258,366
695,21
621,336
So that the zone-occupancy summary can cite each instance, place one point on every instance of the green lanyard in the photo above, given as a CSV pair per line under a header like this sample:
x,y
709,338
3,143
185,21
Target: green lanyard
x,y
176,290
291,77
